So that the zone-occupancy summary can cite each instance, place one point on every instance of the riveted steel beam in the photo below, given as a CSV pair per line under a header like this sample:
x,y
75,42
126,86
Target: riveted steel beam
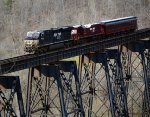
x,y
42,101
110,65
135,64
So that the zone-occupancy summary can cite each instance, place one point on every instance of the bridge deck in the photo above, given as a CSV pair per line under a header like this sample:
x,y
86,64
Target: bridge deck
x,y
31,60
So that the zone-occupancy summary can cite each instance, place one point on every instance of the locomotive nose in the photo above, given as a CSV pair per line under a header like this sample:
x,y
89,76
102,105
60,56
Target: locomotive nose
x,y
30,45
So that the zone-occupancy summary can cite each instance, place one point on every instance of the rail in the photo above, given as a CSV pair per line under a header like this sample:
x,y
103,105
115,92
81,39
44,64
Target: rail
x,y
32,60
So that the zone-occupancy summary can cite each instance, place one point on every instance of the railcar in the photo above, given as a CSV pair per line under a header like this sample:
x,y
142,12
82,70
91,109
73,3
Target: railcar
x,y
119,25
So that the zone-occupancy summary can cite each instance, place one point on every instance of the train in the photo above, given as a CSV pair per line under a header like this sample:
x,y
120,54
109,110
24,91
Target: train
x,y
62,35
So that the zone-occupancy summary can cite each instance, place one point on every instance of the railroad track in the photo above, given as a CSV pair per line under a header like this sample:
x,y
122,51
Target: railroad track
x,y
31,60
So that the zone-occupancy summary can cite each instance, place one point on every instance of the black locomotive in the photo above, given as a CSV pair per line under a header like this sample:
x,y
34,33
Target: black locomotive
x,y
43,37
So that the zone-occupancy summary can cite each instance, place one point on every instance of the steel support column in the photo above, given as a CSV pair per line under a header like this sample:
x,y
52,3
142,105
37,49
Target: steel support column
x,y
19,98
146,81
87,80
118,86
92,89
109,85
136,78
43,99
70,79
146,106
78,92
29,90
110,64
11,84
56,74
44,86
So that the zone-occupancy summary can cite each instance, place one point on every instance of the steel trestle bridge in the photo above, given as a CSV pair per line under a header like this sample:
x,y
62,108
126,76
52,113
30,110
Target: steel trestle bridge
x,y
104,82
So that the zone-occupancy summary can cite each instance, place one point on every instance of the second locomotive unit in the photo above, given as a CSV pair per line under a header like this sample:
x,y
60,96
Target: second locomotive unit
x,y
61,35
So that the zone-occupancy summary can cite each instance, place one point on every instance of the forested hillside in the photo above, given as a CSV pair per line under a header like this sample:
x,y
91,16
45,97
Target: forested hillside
x,y
19,16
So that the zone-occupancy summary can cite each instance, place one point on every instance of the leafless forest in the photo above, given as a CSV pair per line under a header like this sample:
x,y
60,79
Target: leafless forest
x,y
19,16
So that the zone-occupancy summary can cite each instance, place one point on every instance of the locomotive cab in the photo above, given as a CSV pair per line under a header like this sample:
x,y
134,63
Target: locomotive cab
x,y
31,41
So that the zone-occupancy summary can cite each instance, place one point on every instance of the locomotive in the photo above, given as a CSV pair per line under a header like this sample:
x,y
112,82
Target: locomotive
x,y
61,35
42,37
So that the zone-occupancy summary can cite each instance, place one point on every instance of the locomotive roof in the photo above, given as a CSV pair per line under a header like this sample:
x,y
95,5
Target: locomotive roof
x,y
76,26
67,27
119,19
87,25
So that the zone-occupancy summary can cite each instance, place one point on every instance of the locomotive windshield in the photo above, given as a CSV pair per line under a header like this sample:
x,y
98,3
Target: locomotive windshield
x,y
33,35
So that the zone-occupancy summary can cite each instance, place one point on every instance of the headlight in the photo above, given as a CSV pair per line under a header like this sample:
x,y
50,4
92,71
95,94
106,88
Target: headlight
x,y
25,42
28,42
